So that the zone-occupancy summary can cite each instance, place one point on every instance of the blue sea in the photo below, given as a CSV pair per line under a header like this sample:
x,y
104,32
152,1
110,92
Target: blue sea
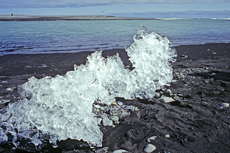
x,y
33,37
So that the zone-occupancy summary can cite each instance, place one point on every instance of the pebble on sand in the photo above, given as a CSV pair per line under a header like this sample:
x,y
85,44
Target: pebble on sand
x,y
184,56
180,95
114,103
150,148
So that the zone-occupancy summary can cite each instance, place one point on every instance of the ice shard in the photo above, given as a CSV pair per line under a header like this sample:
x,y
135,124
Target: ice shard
x,y
61,106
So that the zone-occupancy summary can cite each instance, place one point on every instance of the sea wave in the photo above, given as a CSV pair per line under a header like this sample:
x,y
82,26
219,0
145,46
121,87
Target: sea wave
x,y
174,18
220,18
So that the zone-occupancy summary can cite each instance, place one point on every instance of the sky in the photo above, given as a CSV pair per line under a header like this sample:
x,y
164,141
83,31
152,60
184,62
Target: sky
x,y
109,7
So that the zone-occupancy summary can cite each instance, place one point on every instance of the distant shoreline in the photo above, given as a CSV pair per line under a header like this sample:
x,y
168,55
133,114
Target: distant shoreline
x,y
23,17
65,17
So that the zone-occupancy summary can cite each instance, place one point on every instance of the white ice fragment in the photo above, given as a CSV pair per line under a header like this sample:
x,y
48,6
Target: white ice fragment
x,y
97,106
120,151
43,65
153,138
149,148
107,122
166,99
61,106
114,118
99,121
9,89
28,67
119,103
167,136
224,105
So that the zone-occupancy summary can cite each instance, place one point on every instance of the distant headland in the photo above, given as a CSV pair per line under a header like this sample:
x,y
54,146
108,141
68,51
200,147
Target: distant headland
x,y
56,18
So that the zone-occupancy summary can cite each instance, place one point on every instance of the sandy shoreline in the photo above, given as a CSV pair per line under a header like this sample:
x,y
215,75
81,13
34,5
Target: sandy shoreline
x,y
56,18
60,63
194,121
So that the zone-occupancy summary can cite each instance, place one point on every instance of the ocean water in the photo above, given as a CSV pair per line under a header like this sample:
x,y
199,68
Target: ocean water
x,y
33,37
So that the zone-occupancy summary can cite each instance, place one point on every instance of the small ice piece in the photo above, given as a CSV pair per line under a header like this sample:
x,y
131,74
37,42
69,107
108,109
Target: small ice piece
x,y
114,118
167,136
43,65
119,103
224,105
149,148
167,99
28,67
107,122
99,121
153,138
120,151
97,106
9,89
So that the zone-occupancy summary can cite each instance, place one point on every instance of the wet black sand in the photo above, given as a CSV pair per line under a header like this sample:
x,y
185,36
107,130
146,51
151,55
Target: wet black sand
x,y
195,120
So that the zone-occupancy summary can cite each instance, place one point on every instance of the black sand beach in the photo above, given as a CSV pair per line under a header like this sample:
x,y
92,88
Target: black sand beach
x,y
197,121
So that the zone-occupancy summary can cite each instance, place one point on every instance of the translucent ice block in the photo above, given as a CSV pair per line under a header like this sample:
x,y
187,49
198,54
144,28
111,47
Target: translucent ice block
x,y
61,106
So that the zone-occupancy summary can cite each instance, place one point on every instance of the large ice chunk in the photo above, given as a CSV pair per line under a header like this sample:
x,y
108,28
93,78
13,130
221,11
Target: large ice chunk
x,y
61,107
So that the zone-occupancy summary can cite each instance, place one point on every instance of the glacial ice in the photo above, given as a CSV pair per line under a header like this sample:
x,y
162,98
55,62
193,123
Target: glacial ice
x,y
61,106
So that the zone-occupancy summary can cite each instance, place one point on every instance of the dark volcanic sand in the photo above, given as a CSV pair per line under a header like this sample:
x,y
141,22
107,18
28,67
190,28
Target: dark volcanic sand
x,y
195,121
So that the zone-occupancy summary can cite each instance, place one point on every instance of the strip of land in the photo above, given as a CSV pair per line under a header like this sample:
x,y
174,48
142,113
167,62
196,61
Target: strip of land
x,y
57,18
